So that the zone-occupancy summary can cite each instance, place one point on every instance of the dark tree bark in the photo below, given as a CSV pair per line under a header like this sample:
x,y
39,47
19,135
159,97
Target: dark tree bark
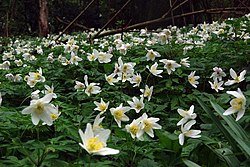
x,y
43,18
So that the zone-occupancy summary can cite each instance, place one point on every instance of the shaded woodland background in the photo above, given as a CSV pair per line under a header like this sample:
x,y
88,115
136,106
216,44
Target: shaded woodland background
x,y
22,16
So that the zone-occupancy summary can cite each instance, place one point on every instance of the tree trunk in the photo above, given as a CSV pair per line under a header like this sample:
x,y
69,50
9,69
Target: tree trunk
x,y
43,18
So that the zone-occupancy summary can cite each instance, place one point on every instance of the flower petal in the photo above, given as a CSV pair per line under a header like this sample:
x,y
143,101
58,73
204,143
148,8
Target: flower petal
x,y
240,114
107,151
181,139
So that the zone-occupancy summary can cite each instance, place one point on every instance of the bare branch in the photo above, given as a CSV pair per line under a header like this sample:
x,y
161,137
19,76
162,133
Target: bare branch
x,y
150,22
84,10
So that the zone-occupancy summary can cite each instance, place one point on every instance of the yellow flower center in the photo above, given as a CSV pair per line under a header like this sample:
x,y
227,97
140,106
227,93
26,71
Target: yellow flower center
x,y
237,103
102,107
169,65
94,144
151,55
92,57
138,106
191,80
39,108
134,129
216,86
147,125
90,89
137,79
118,114
109,79
37,76
237,79
53,116
147,93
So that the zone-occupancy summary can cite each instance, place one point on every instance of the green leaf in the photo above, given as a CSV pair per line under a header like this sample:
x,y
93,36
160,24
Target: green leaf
x,y
147,163
217,122
236,128
190,163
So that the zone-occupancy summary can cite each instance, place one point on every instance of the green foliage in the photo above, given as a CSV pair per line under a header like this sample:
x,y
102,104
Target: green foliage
x,y
223,141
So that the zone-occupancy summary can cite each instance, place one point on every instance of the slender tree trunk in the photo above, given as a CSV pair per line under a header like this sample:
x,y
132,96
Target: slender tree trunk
x,y
43,18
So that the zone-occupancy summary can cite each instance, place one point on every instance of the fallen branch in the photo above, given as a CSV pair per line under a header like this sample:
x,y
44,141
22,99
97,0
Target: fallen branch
x,y
75,24
154,21
84,10
110,20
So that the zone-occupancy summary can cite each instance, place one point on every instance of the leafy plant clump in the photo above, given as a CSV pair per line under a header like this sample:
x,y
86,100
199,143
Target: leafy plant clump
x,y
171,97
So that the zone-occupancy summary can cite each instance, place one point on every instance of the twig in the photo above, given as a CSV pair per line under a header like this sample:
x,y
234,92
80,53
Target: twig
x,y
74,19
75,24
150,22
109,21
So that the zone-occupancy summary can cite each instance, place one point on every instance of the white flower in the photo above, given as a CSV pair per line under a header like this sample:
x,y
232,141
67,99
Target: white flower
x,y
217,74
136,79
96,143
136,104
54,116
102,106
119,114
216,86
79,86
35,95
153,70
110,79
104,57
50,90
31,82
91,88
96,125
151,55
5,65
147,92
186,114
148,124
18,62
38,76
170,65
41,109
192,79
238,104
93,56
74,59
135,129
1,99
185,62
236,78
185,131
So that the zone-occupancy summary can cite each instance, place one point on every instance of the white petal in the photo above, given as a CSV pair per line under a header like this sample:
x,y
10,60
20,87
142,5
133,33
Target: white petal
x,y
229,82
181,112
104,135
242,74
182,122
156,126
83,146
188,125
88,131
27,110
229,111
235,94
45,117
81,135
35,118
150,133
181,139
193,133
240,114
47,98
107,151
233,73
